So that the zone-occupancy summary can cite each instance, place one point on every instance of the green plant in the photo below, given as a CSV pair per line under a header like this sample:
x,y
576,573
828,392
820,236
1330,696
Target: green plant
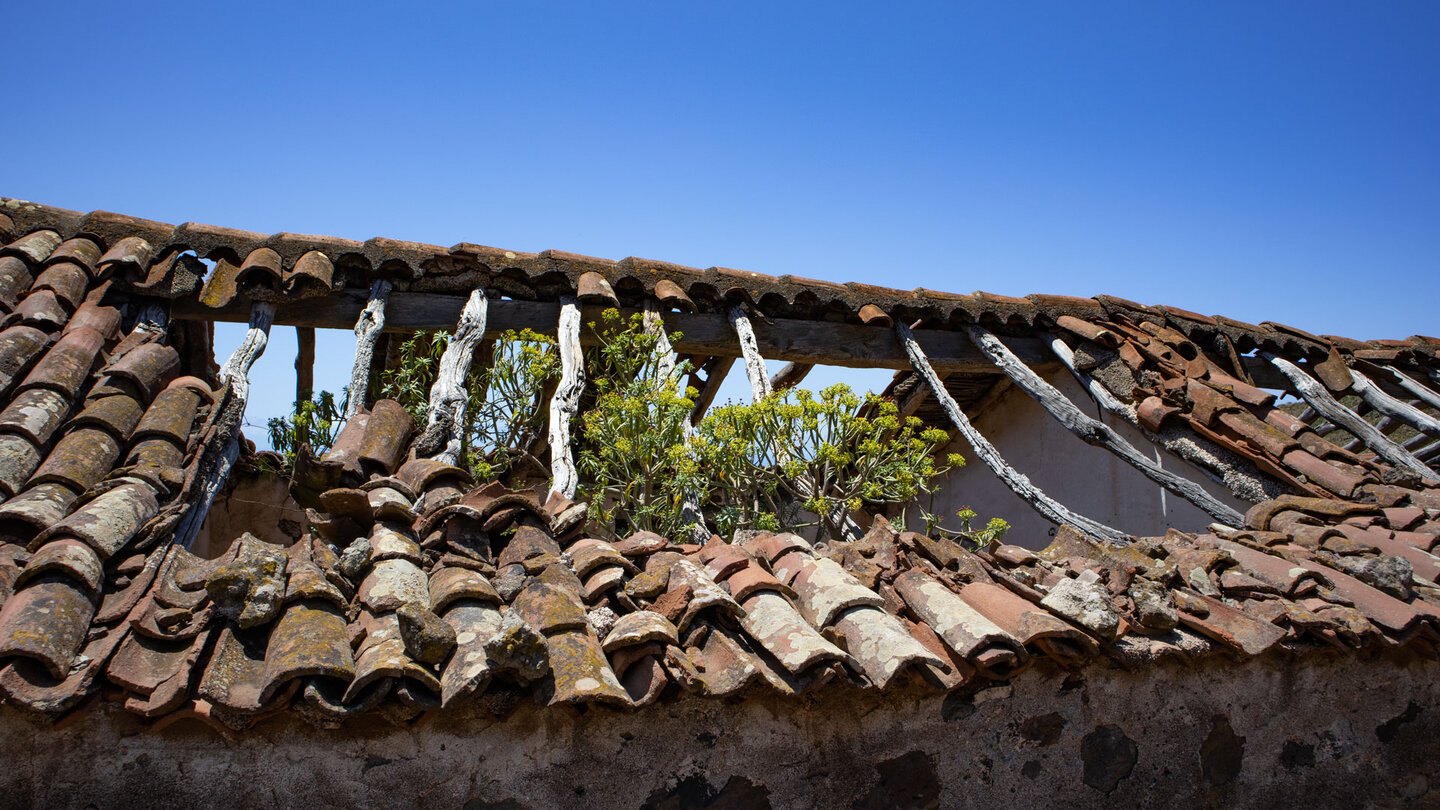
x,y
634,460
796,452
994,530
314,424
505,408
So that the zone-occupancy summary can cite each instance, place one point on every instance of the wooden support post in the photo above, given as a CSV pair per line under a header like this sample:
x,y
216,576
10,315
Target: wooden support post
x,y
1097,433
220,453
304,363
1414,387
690,501
445,422
566,402
1318,398
1392,407
750,352
790,376
367,329
1192,448
1049,508
716,368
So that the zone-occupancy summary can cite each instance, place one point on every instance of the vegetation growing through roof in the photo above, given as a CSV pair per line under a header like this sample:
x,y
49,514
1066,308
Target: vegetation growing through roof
x,y
634,459
797,458
794,459
315,424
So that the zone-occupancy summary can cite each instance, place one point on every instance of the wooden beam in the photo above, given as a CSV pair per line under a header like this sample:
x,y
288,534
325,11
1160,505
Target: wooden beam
x,y
304,363
1195,449
750,353
445,421
566,402
369,323
1414,387
715,370
790,376
690,500
1318,398
1049,508
1097,433
1392,407
218,456
788,339
1103,396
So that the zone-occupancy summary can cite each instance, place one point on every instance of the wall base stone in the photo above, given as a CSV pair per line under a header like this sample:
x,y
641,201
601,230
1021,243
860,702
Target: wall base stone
x,y
1274,732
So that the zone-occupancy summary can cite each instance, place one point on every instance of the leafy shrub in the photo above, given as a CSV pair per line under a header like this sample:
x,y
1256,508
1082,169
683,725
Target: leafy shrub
x,y
633,458
315,424
794,452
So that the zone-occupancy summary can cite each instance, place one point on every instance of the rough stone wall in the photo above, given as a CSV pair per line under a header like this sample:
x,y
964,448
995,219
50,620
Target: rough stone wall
x,y
1269,733
1090,480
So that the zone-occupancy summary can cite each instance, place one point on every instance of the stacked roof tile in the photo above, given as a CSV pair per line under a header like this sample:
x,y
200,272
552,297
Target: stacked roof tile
x,y
413,589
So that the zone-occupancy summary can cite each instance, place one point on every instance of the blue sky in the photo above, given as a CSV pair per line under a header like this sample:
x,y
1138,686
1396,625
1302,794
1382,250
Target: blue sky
x,y
1265,161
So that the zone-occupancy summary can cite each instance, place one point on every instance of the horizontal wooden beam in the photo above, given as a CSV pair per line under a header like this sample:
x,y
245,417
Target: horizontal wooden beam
x,y
785,339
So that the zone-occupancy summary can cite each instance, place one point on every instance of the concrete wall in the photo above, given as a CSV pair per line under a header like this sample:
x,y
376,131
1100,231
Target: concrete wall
x,y
1268,733
1089,480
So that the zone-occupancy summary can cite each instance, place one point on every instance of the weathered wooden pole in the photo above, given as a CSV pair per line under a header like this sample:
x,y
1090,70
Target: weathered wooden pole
x,y
1049,508
1094,432
367,330
566,402
1327,406
445,421
690,500
219,455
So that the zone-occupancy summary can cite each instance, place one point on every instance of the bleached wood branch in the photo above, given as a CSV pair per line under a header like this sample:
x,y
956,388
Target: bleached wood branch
x,y
1327,406
219,455
448,399
1392,407
1048,507
1415,387
1195,449
566,402
690,501
367,330
1094,432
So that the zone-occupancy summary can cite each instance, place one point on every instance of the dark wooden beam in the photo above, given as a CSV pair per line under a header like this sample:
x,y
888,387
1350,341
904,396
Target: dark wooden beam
x,y
787,339
304,363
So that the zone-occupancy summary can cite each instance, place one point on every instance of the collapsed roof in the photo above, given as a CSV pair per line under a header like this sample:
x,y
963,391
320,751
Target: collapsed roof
x,y
412,587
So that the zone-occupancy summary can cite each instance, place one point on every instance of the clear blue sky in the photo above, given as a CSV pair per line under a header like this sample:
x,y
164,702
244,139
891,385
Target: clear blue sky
x,y
1274,161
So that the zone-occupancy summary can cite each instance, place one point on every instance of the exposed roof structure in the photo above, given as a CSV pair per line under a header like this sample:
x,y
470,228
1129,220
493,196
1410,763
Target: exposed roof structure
x,y
413,587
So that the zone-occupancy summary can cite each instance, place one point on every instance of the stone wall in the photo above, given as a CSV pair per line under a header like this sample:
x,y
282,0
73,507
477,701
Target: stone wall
x,y
1269,733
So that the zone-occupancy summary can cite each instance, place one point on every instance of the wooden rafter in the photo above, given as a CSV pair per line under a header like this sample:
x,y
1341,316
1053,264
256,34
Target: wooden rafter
x,y
220,453
566,402
1318,398
1049,508
1094,432
690,501
368,325
304,362
716,368
448,399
